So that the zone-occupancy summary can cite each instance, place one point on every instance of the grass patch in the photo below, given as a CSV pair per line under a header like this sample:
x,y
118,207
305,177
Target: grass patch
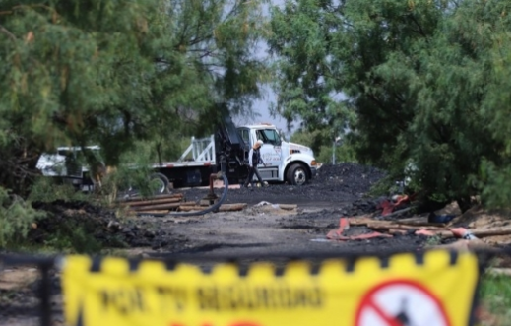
x,y
434,240
496,297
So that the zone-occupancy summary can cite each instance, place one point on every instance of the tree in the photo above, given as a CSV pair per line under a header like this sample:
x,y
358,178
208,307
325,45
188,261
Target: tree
x,y
115,72
303,42
420,77
345,44
426,81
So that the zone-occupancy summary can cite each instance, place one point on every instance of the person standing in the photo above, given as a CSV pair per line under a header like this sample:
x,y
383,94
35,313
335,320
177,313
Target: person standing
x,y
254,158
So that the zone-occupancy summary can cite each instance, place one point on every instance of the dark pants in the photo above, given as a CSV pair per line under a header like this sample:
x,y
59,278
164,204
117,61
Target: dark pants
x,y
251,171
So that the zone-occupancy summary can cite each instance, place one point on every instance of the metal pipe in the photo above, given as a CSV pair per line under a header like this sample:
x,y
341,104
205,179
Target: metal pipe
x,y
212,178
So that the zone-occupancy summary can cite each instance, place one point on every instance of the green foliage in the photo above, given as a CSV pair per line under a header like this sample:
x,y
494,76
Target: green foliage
x,y
313,139
47,190
344,153
428,82
16,218
496,295
112,73
306,84
74,239
496,192
133,173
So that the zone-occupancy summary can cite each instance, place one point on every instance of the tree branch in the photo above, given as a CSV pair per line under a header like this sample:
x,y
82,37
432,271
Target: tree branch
x,y
5,31
420,31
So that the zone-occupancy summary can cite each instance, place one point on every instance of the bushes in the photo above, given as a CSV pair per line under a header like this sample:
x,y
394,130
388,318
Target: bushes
x,y
16,219
47,190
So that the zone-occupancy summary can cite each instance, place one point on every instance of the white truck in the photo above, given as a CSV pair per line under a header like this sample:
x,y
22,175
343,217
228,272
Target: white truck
x,y
285,161
226,151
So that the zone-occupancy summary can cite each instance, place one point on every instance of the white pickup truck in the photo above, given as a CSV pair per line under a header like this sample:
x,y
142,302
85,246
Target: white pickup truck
x,y
285,161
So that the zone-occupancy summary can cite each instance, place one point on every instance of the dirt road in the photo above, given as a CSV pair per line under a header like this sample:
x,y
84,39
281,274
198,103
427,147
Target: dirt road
x,y
265,229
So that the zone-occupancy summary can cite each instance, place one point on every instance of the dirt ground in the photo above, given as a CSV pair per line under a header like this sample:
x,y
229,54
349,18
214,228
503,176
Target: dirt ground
x,y
260,230
264,228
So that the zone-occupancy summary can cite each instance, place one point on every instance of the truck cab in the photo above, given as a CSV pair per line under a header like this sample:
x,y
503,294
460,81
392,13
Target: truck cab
x,y
69,165
284,161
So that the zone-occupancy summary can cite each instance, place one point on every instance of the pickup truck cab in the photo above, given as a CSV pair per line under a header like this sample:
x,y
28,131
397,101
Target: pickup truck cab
x,y
285,161
68,164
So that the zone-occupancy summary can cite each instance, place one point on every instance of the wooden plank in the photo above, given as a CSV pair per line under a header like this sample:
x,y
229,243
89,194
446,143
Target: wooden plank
x,y
480,233
156,207
139,198
191,208
153,202
188,203
233,207
153,212
223,208
409,224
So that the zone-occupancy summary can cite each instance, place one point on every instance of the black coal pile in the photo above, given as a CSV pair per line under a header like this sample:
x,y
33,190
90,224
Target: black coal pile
x,y
360,207
88,228
335,183
350,177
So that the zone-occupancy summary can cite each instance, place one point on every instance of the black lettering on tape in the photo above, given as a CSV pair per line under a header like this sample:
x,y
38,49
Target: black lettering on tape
x,y
245,297
208,298
261,296
317,298
172,298
122,300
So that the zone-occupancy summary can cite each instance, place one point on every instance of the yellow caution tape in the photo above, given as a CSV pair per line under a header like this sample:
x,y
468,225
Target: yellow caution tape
x,y
433,290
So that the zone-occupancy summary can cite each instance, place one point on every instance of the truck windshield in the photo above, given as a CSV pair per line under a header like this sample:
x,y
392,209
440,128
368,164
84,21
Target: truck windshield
x,y
269,136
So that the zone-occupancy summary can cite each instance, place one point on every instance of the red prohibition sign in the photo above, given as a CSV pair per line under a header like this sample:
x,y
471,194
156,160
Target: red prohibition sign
x,y
401,303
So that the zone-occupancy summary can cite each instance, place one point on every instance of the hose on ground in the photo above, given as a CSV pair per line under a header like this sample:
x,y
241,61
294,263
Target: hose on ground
x,y
210,209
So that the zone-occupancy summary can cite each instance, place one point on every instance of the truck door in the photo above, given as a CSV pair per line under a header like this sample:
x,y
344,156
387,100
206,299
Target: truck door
x,y
271,152
245,135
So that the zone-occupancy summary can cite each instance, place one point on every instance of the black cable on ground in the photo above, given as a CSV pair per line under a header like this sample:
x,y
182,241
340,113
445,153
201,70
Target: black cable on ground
x,y
197,213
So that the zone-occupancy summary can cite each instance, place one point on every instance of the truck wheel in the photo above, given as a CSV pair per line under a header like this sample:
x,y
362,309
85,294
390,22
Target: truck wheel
x,y
161,183
297,174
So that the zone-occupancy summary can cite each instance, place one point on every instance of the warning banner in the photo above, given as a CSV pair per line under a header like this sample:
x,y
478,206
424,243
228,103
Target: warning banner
x,y
433,288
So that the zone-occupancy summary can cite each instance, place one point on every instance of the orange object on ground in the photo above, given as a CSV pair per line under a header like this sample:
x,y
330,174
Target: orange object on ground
x,y
425,232
344,224
388,206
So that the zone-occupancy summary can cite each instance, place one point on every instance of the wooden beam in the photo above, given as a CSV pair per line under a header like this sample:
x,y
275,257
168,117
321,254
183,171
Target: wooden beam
x,y
153,202
223,208
139,198
156,207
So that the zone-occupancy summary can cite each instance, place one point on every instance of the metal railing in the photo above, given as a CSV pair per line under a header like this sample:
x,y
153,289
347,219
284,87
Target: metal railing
x,y
203,150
